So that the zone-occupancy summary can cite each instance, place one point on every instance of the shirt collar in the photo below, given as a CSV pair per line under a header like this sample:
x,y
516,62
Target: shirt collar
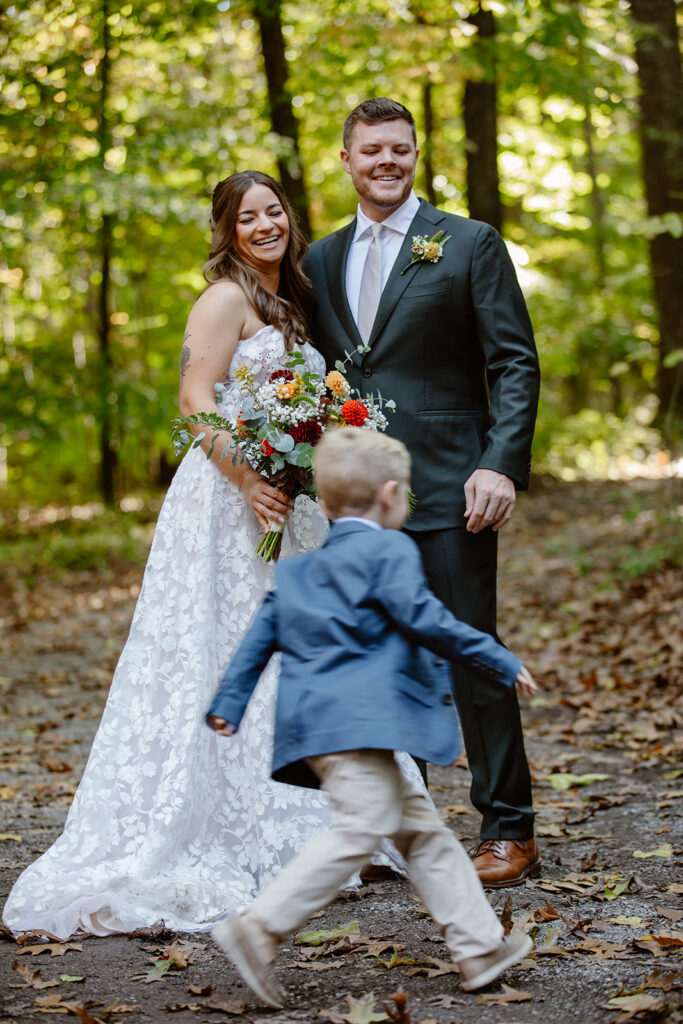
x,y
399,221
359,519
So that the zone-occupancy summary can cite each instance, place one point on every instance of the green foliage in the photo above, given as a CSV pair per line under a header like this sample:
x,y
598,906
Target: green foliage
x,y
137,142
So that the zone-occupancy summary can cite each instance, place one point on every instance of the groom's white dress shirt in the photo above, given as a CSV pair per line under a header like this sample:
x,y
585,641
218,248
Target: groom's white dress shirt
x,y
395,230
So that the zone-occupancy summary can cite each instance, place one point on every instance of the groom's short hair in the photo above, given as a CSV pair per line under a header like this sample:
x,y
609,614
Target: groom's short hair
x,y
350,464
373,112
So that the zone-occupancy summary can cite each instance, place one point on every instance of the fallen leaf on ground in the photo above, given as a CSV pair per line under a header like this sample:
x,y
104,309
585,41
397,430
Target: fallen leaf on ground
x,y
32,978
547,913
361,1011
317,938
439,967
632,1005
201,990
446,1001
53,948
317,965
6,836
665,982
508,995
672,913
566,780
664,850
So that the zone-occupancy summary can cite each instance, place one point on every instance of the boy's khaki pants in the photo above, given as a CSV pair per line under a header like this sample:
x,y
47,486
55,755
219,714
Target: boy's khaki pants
x,y
371,800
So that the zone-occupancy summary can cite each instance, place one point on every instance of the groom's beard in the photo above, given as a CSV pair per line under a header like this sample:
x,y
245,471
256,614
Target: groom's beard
x,y
379,195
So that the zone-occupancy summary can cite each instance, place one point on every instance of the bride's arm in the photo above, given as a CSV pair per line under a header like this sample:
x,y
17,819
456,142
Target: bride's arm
x,y
213,330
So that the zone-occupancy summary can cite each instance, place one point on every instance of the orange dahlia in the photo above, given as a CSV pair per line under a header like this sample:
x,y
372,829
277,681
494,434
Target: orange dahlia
x,y
337,383
354,412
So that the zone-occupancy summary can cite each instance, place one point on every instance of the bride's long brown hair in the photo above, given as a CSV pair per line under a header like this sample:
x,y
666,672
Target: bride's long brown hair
x,y
288,310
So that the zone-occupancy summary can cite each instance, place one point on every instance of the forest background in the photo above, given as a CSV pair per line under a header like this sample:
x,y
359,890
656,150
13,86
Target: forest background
x,y
558,122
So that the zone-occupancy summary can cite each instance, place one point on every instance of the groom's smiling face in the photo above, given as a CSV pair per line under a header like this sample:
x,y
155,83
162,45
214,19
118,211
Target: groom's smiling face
x,y
381,160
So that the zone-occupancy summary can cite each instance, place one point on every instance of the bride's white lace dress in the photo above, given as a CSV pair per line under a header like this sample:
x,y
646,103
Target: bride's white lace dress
x,y
172,822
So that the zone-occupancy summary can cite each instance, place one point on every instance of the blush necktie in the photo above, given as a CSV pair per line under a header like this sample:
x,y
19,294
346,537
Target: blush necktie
x,y
370,284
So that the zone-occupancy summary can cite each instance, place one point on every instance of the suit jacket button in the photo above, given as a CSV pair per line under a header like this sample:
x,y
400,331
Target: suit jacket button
x,y
447,698
367,372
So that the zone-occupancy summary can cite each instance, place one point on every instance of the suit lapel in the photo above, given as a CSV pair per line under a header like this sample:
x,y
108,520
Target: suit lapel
x,y
336,275
423,223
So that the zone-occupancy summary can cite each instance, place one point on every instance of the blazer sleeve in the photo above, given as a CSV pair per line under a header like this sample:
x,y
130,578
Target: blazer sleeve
x,y
403,592
512,370
249,661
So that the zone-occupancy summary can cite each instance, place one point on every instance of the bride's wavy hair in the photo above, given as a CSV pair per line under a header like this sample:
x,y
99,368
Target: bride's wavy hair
x,y
286,311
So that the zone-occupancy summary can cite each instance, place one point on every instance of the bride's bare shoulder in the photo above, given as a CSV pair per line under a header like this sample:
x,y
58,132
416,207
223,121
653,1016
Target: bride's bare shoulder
x,y
222,296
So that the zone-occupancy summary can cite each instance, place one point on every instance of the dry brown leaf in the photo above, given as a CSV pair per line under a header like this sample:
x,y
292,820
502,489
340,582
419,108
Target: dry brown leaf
x,y
547,913
32,978
233,1007
328,965
201,990
53,999
35,932
665,982
508,995
53,948
672,913
632,1005
440,967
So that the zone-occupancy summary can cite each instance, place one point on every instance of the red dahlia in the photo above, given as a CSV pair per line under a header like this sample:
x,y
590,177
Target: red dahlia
x,y
282,375
309,432
266,448
354,412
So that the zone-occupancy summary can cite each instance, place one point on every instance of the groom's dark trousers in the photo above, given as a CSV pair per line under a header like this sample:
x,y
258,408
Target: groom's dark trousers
x,y
452,346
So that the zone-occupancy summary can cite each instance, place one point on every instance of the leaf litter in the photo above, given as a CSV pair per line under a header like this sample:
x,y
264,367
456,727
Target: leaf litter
x,y
606,729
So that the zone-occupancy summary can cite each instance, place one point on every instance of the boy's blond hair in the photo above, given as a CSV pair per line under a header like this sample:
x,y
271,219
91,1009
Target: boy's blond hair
x,y
350,464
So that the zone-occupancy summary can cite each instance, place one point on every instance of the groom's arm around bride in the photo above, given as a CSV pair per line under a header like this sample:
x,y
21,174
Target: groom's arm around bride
x,y
448,337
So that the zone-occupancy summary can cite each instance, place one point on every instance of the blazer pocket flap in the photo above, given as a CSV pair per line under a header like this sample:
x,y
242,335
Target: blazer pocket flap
x,y
423,285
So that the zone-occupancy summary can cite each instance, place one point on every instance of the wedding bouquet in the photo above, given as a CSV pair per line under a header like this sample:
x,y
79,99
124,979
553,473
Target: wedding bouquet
x,y
279,424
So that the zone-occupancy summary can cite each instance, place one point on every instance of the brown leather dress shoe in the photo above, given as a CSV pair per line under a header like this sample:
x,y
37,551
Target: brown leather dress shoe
x,y
502,862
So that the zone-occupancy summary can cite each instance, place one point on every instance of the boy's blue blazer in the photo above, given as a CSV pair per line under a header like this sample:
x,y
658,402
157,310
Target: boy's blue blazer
x,y
353,621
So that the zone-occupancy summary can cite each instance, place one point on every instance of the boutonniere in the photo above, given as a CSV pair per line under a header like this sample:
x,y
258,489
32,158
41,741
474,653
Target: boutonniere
x,y
427,250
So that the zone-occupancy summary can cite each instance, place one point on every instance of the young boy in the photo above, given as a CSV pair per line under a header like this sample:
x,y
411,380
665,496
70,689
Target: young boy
x,y
364,672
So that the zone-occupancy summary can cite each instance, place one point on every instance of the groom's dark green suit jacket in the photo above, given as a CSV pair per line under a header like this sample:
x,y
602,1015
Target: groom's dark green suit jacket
x,y
452,345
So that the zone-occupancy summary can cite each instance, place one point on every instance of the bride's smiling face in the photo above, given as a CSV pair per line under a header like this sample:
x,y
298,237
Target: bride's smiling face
x,y
261,230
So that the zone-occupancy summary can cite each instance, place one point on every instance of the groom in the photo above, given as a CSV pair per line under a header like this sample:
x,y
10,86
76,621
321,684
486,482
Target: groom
x,y
445,333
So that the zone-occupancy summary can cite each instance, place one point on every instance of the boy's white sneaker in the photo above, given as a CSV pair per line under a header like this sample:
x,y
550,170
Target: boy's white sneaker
x,y
477,971
251,948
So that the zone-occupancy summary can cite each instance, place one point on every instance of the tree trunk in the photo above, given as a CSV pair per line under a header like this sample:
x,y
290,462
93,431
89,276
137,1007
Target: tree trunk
x,y
268,14
108,457
480,113
661,130
428,144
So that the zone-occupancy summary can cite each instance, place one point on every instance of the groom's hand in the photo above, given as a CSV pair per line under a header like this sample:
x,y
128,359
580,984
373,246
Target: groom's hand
x,y
490,499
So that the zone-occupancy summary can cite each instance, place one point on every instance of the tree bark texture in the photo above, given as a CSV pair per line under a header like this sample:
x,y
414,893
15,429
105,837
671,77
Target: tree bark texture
x,y
480,115
108,456
428,144
268,14
661,130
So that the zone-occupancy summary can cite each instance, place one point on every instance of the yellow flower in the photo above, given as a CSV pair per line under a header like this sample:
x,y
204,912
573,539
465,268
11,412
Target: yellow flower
x,y
431,250
338,384
290,388
244,375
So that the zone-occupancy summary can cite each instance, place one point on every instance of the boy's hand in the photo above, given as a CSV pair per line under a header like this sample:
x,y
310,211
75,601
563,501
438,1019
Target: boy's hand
x,y
221,726
524,683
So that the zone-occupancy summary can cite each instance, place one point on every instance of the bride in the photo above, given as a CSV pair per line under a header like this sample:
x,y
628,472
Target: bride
x,y
170,821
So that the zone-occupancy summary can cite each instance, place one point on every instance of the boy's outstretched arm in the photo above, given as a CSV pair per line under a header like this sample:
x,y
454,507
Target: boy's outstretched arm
x,y
243,672
403,591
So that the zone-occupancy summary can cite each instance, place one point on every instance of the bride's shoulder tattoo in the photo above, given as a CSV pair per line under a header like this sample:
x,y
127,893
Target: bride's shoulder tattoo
x,y
185,355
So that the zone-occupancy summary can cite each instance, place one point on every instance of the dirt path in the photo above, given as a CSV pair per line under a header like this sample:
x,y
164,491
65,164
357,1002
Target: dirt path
x,y
588,599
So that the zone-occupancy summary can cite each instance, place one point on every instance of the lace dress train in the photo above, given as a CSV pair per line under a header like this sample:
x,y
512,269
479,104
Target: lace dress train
x,y
172,822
